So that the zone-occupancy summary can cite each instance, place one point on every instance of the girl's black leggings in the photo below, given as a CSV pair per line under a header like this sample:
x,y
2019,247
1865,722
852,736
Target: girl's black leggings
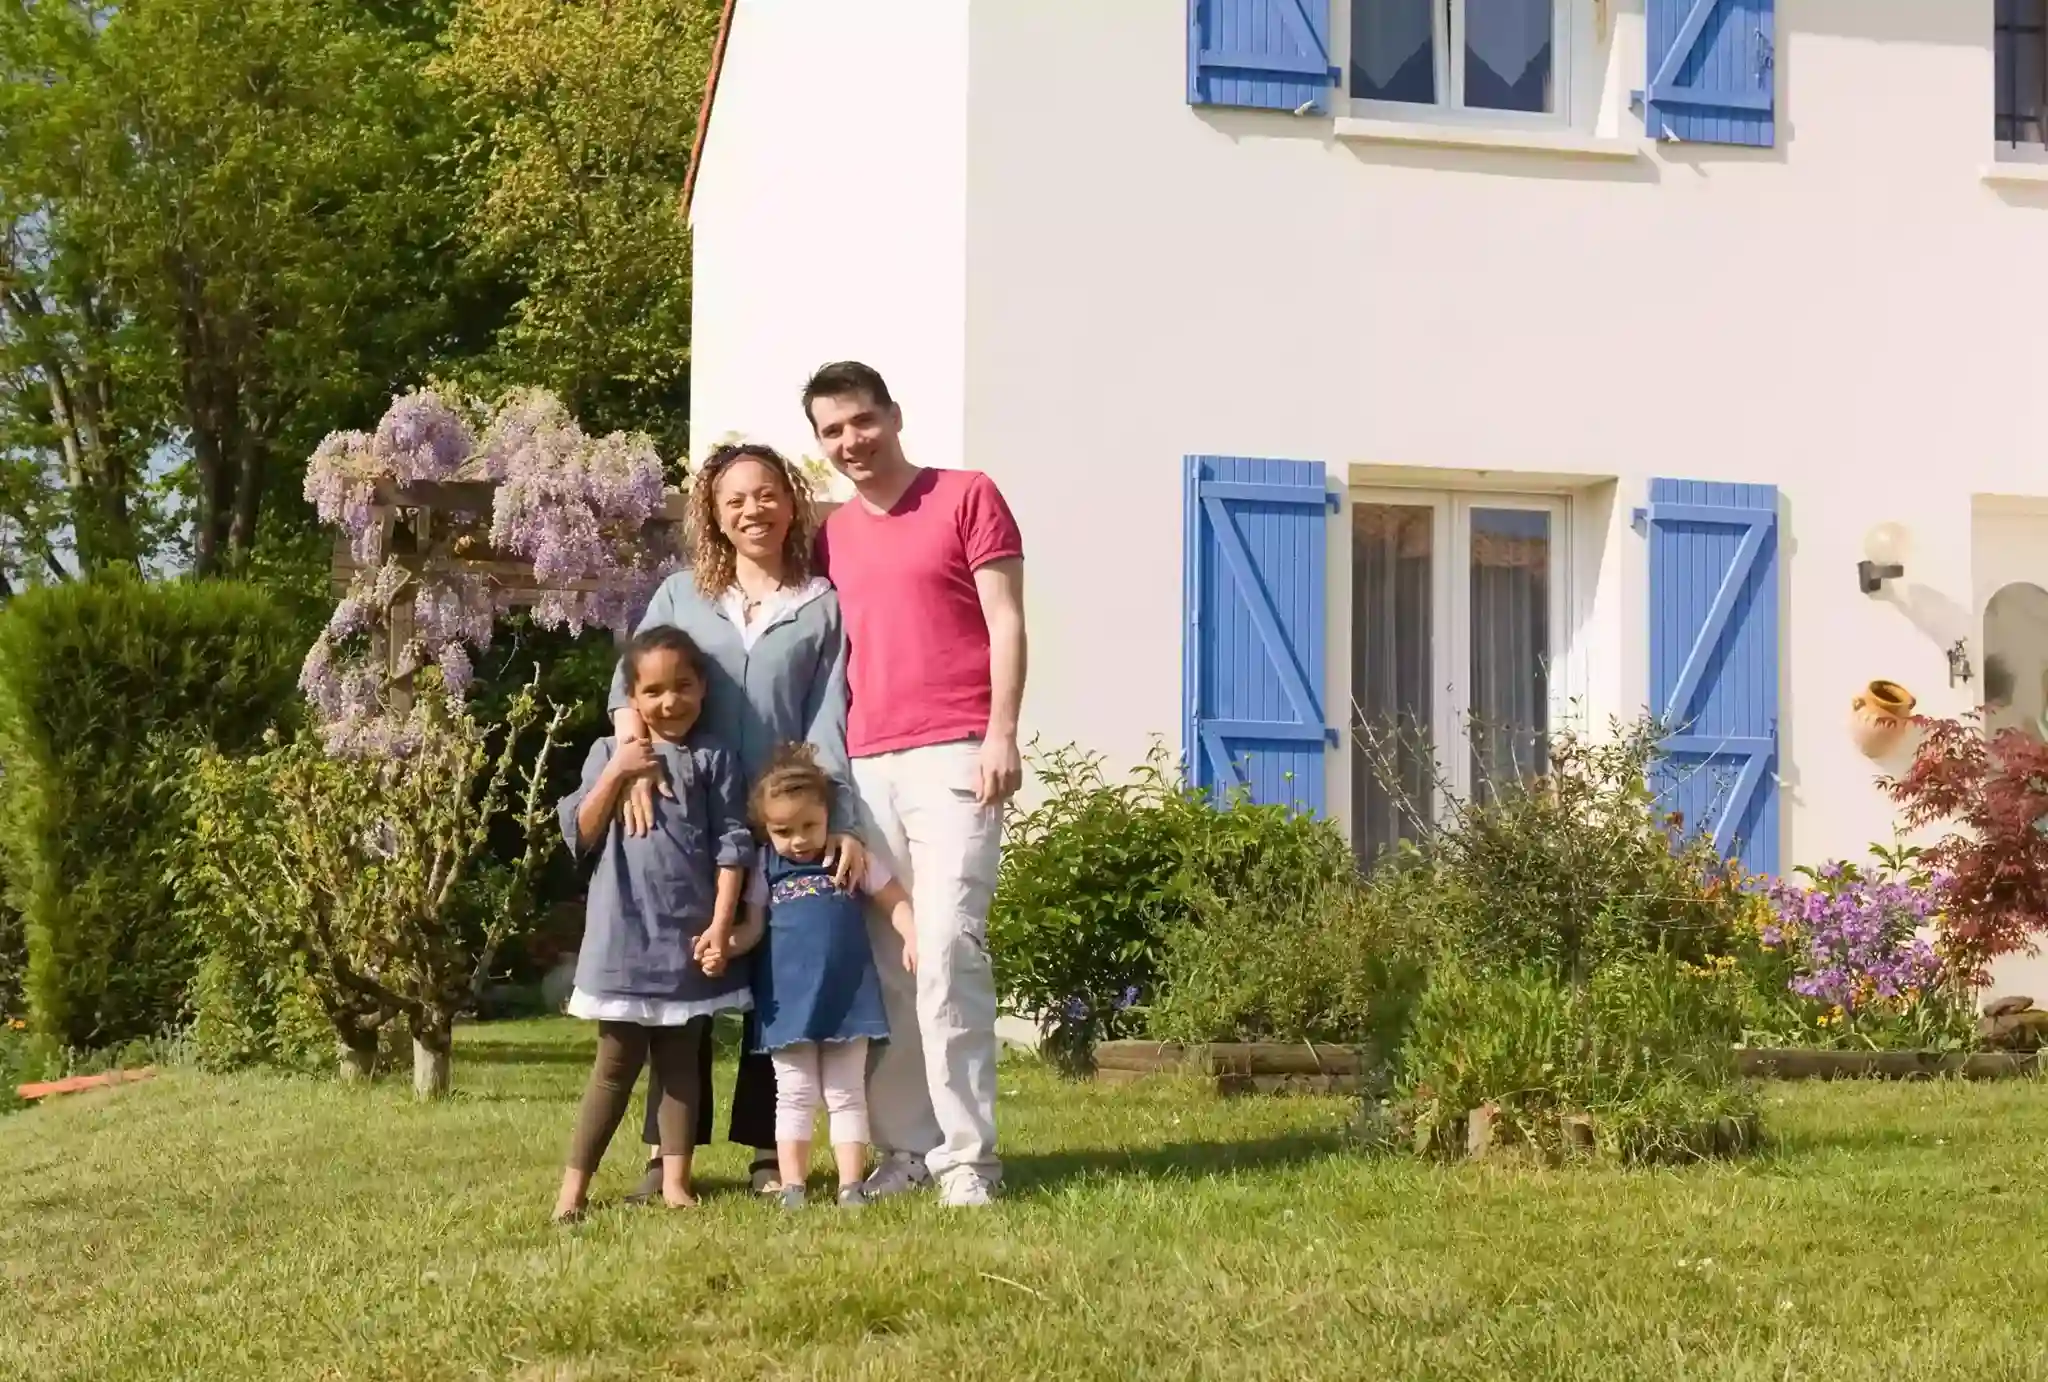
x,y
753,1097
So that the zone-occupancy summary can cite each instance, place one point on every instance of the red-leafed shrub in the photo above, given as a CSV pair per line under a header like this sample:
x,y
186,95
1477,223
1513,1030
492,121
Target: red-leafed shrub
x,y
1992,867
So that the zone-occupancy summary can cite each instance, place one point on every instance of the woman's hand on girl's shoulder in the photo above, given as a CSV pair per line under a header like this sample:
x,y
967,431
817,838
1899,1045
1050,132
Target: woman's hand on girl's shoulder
x,y
633,758
849,862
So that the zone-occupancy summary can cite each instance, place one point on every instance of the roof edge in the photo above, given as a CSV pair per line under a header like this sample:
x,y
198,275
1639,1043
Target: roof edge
x,y
704,110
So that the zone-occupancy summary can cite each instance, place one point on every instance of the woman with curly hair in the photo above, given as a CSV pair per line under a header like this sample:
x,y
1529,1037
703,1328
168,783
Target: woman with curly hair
x,y
774,656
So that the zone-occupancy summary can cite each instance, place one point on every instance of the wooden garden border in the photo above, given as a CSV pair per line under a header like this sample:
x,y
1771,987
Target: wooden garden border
x,y
1263,1067
1258,1067
1766,1064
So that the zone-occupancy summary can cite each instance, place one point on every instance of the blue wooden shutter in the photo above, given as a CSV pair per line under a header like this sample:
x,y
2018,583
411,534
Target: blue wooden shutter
x,y
1712,71
1714,660
1266,54
1252,676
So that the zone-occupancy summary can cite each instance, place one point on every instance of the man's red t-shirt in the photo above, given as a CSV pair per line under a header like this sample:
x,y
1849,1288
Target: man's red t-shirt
x,y
917,645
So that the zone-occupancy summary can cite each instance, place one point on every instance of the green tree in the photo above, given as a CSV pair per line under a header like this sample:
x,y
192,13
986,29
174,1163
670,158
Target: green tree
x,y
229,229
579,117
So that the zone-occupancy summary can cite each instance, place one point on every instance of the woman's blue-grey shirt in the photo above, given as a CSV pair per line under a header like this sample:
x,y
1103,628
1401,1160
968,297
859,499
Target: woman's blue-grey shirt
x,y
652,894
789,687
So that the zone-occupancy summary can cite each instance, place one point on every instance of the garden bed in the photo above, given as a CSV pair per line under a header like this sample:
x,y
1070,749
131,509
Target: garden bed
x,y
1260,1067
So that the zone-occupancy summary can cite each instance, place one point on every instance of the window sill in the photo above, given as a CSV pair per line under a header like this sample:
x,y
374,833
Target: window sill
x,y
1559,142
2016,171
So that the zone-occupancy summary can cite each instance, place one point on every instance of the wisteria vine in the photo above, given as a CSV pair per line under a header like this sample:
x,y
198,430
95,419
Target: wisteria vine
x,y
575,507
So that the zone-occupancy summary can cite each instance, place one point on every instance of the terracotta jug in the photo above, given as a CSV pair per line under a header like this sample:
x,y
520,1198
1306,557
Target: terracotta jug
x,y
1879,716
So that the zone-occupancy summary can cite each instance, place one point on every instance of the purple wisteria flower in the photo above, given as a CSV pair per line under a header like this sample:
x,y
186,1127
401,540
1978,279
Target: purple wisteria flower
x,y
575,508
341,477
457,672
422,438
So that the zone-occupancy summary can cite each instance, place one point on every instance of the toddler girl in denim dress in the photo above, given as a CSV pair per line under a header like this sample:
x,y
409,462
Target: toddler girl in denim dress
x,y
817,994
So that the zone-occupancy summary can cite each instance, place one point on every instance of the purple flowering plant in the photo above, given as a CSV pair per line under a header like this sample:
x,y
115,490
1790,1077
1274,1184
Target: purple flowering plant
x,y
1842,956
575,507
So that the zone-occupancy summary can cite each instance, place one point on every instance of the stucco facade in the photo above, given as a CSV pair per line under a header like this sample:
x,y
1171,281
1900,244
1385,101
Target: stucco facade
x,y
1076,278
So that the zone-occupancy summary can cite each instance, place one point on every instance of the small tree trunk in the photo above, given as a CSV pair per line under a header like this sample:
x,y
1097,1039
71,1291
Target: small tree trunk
x,y
431,1059
358,1058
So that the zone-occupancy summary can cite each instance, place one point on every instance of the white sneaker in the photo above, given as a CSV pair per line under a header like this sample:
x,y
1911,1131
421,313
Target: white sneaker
x,y
895,1176
966,1188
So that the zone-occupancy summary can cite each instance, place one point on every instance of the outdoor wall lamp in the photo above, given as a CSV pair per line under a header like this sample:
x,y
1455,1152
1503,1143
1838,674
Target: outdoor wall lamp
x,y
1884,556
1959,669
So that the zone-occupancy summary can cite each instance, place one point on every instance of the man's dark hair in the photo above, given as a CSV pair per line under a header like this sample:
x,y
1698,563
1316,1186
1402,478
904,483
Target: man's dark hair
x,y
844,377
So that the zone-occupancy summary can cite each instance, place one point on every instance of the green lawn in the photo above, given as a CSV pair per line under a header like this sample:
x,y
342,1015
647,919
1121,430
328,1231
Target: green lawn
x,y
256,1227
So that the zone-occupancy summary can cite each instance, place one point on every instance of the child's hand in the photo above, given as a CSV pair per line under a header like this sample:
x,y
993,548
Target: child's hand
x,y
711,950
910,954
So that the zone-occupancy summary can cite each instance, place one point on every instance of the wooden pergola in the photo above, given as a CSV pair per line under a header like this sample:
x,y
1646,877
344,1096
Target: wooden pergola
x,y
443,528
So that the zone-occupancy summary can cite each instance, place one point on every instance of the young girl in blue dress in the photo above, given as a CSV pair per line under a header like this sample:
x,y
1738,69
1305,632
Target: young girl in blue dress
x,y
817,995
653,967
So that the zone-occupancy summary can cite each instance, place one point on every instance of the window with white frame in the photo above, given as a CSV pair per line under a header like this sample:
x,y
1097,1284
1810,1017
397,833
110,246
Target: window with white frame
x,y
2020,73
1497,59
1458,625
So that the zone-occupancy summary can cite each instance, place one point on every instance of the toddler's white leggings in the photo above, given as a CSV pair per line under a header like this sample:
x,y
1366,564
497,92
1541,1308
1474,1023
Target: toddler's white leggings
x,y
834,1071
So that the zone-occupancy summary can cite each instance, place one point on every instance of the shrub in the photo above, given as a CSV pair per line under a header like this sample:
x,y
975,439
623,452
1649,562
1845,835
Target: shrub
x,y
21,1061
1568,938
362,883
254,1006
98,682
1095,876
252,999
1993,864
13,943
1573,869
1288,959
561,669
1641,1049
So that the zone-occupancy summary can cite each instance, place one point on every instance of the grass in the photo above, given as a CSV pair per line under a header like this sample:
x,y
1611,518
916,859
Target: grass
x,y
252,1226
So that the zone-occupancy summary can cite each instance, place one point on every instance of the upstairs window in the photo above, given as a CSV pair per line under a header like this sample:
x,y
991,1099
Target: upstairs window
x,y
1488,58
2020,55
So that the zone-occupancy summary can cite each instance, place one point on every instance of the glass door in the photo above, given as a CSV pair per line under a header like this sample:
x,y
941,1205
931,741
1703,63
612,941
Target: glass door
x,y
1457,609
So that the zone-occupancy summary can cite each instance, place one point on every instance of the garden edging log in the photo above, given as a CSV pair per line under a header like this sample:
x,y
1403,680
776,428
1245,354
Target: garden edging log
x,y
1274,1067
1237,1067
1767,1064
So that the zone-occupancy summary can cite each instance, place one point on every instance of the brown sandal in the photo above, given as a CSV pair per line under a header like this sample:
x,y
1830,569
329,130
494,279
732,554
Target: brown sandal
x,y
648,1191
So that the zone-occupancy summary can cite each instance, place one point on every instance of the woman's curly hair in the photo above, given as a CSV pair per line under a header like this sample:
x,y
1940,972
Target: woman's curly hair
x,y
711,552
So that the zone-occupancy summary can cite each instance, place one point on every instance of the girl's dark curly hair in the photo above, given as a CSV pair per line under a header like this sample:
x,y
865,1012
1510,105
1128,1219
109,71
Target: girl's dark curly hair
x,y
711,553
792,772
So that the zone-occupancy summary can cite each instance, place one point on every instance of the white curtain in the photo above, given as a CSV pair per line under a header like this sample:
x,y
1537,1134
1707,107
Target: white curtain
x,y
1387,34
1507,55
1392,579
1509,725
1507,35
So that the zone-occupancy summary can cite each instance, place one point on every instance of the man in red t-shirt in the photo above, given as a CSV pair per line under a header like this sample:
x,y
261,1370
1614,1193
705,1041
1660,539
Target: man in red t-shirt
x,y
930,570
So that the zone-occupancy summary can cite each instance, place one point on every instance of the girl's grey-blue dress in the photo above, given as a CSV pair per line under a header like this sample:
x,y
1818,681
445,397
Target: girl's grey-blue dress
x,y
652,895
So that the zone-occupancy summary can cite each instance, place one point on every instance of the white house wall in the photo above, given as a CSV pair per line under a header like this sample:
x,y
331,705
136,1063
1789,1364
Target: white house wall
x,y
830,217
1855,316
